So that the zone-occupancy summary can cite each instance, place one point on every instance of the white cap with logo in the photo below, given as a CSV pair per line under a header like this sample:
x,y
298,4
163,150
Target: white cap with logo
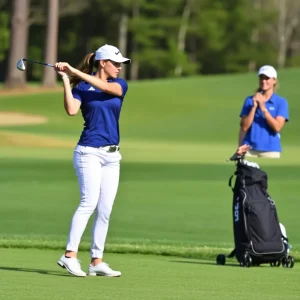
x,y
108,52
268,71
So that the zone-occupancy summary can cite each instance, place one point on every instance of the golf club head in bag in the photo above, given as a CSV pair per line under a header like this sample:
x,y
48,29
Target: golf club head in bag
x,y
21,65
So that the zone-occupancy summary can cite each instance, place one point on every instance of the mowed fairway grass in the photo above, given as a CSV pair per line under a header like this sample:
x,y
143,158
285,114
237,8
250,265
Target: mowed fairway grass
x,y
173,197
33,275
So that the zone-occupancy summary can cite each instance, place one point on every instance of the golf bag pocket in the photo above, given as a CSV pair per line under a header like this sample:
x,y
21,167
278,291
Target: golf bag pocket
x,y
263,226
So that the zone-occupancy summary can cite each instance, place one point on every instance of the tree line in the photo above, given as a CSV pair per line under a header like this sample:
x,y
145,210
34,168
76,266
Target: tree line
x,y
164,38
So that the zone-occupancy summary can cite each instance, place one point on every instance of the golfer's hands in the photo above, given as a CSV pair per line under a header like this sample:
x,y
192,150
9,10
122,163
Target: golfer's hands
x,y
258,99
63,68
61,73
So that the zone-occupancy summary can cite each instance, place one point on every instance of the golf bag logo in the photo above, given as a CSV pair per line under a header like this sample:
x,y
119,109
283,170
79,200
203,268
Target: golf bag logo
x,y
236,210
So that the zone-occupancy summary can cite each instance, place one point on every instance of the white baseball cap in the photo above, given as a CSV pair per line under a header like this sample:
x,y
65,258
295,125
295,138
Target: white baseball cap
x,y
268,71
112,53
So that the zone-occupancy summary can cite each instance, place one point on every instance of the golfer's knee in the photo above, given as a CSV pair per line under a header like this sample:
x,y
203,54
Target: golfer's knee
x,y
87,206
104,215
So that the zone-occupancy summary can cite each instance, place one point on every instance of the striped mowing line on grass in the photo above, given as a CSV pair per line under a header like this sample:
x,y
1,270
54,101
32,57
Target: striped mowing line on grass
x,y
198,252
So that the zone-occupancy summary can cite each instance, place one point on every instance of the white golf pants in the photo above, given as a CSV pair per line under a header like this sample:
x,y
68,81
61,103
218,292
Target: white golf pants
x,y
98,177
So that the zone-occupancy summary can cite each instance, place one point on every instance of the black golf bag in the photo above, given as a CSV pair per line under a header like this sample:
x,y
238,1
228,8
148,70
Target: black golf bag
x,y
257,234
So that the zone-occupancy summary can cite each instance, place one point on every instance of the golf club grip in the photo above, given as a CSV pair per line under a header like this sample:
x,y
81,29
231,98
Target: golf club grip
x,y
38,62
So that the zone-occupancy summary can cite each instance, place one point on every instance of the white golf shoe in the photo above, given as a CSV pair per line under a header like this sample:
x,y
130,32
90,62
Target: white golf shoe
x,y
103,269
72,265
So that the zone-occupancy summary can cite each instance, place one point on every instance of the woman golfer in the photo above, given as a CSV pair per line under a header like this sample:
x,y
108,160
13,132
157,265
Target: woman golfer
x,y
263,116
100,96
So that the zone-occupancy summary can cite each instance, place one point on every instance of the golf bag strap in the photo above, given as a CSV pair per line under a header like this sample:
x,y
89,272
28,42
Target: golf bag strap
x,y
230,182
284,238
232,254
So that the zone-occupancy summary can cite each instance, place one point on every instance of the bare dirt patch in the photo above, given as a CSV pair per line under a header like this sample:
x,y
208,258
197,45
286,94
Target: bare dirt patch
x,y
14,119
9,138
29,90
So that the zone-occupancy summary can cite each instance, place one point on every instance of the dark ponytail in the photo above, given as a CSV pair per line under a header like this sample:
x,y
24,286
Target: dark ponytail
x,y
86,66
91,64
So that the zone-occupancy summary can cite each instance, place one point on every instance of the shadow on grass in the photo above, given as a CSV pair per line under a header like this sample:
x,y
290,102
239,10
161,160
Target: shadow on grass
x,y
204,263
44,272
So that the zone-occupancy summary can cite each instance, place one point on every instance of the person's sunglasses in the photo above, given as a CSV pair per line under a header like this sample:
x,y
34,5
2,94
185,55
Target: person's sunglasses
x,y
116,64
264,77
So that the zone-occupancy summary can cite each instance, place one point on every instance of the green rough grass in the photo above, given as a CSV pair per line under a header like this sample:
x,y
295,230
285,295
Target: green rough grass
x,y
197,109
127,246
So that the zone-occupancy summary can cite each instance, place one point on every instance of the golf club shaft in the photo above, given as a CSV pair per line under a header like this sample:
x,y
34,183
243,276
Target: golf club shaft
x,y
38,62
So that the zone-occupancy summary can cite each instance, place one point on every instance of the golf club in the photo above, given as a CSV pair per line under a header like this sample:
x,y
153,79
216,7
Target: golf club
x,y
21,65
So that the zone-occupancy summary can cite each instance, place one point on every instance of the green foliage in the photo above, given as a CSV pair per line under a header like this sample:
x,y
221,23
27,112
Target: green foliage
x,y
294,61
95,42
33,69
212,30
4,34
222,36
180,58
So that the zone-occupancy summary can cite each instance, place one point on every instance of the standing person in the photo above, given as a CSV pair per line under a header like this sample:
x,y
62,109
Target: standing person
x,y
263,116
100,96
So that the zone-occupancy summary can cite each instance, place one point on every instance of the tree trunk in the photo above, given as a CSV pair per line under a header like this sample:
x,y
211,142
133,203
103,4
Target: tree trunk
x,y
182,33
252,65
49,76
281,34
134,70
286,24
18,44
123,32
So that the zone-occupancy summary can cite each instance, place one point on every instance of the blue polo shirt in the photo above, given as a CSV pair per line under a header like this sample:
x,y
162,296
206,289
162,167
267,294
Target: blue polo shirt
x,y
101,112
260,136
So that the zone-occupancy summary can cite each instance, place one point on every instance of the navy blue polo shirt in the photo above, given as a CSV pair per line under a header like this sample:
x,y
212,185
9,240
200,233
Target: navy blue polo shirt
x,y
101,113
260,136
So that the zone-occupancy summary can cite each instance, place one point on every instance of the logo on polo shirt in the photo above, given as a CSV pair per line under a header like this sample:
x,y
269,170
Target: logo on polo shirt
x,y
271,108
91,89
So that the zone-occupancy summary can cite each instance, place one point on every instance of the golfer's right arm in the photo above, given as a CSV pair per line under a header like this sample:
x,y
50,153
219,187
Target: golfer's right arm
x,y
242,135
247,116
71,104
246,121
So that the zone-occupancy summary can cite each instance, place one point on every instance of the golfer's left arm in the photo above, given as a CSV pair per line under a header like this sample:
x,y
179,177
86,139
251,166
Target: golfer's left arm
x,y
112,88
276,123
